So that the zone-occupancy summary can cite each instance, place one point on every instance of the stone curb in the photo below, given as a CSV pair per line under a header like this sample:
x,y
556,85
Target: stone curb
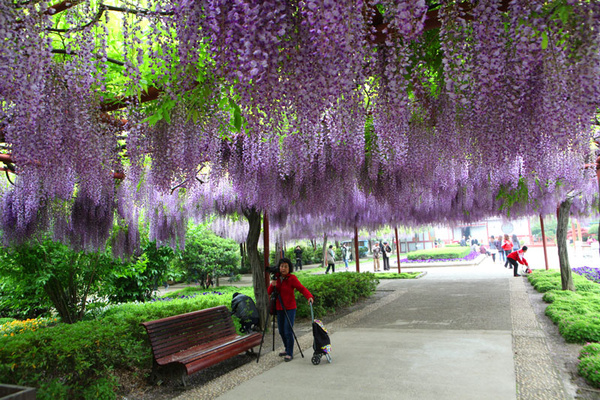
x,y
536,374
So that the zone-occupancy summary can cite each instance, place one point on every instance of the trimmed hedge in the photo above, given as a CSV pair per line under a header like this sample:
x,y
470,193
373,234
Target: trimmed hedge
x,y
577,315
394,275
439,253
335,291
85,359
589,364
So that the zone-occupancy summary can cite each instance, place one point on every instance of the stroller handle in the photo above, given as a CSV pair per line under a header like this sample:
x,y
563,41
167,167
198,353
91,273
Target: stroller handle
x,y
312,314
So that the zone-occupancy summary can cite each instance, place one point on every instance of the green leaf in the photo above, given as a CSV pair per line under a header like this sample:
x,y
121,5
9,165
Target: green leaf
x,y
544,40
237,119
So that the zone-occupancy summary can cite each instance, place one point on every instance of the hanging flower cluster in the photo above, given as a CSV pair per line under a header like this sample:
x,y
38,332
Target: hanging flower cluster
x,y
350,112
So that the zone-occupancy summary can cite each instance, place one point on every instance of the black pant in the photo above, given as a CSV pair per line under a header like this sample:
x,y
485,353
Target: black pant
x,y
386,263
514,264
332,266
506,253
298,264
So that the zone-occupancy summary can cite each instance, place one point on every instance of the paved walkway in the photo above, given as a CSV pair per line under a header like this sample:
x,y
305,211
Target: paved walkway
x,y
456,333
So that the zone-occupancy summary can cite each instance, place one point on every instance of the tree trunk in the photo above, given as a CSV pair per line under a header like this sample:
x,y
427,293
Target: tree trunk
x,y
561,241
242,255
325,250
258,269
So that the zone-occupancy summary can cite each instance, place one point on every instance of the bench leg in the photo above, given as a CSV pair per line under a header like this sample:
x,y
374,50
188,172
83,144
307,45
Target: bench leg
x,y
154,375
251,352
184,379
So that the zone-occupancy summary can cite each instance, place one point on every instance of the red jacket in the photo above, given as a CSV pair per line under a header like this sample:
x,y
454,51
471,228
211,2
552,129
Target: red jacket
x,y
518,256
285,287
507,245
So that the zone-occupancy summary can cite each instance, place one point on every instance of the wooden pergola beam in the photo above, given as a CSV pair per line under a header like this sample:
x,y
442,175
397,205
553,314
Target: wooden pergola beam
x,y
432,20
62,6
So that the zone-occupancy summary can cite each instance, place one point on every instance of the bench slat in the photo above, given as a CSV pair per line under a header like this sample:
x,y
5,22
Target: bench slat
x,y
215,357
198,339
181,340
173,334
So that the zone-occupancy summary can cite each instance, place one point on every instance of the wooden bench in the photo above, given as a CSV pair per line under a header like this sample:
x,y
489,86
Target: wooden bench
x,y
196,340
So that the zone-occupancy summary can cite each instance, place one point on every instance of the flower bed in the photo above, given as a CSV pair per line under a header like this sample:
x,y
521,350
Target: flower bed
x,y
454,255
593,274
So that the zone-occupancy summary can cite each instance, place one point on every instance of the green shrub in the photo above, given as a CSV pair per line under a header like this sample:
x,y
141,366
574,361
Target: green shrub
x,y
544,281
589,365
393,275
335,291
575,313
206,253
81,360
362,251
439,253
79,356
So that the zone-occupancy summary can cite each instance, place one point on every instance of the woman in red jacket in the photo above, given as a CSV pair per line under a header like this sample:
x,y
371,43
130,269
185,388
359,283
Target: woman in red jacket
x,y
517,257
285,283
507,248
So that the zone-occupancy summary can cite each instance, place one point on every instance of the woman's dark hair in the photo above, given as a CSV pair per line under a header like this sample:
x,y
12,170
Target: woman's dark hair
x,y
286,261
524,248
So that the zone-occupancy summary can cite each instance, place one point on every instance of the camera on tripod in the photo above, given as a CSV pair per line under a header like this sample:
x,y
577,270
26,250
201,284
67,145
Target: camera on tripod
x,y
273,270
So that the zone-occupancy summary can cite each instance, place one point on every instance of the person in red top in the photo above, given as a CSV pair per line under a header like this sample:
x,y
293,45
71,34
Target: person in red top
x,y
507,248
517,257
285,283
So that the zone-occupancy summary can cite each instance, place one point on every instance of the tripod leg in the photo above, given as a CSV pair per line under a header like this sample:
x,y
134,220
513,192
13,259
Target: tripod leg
x,y
291,327
273,329
262,339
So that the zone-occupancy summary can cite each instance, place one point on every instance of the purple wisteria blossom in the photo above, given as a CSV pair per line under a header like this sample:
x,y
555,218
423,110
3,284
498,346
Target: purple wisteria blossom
x,y
593,274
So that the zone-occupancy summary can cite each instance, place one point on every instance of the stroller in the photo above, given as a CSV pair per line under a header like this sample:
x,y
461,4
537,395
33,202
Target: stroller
x,y
321,344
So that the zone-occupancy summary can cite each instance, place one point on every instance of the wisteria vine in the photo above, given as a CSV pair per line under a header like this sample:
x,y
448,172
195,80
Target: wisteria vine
x,y
295,108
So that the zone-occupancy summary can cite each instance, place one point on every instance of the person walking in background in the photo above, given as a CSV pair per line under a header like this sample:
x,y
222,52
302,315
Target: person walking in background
x,y
345,255
385,253
298,251
493,248
330,260
376,253
484,250
285,283
501,253
515,258
507,248
515,242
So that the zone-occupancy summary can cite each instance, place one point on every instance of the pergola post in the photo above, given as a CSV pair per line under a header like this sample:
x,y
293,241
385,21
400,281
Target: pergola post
x,y
266,247
544,241
397,248
356,254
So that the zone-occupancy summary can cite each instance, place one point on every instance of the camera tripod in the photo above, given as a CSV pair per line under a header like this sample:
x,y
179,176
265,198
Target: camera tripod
x,y
275,295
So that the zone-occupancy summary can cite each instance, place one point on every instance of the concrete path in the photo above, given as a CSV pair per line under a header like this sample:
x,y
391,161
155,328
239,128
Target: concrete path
x,y
456,333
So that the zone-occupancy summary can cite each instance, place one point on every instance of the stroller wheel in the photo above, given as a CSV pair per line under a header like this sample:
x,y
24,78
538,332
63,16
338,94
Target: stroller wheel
x,y
316,359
